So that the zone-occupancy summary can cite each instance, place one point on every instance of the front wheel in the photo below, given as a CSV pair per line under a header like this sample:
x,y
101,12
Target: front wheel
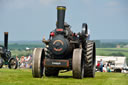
x,y
1,62
37,62
78,64
12,63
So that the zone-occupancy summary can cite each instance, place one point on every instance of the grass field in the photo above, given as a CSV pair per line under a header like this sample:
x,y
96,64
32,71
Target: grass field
x,y
111,51
24,77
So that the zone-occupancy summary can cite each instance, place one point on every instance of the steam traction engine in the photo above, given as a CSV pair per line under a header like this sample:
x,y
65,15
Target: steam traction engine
x,y
65,50
5,55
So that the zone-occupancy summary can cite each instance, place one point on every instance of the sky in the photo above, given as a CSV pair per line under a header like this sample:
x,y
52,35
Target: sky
x,y
32,19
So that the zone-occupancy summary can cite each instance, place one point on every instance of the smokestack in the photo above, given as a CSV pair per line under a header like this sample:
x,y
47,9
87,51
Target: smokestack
x,y
6,40
60,16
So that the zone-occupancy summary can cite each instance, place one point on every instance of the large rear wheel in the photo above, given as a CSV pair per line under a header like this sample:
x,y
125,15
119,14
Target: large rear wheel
x,y
78,64
90,57
37,62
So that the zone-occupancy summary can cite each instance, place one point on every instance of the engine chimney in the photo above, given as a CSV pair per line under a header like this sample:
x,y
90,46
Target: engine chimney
x,y
6,40
60,16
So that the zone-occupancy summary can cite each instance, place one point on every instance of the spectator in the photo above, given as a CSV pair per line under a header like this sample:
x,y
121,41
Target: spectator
x,y
98,66
27,61
18,61
101,65
108,68
17,58
22,62
104,68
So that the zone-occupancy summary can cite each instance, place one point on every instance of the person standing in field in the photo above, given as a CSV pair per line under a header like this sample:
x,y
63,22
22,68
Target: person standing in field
x,y
108,68
22,60
98,66
101,65
18,60
104,68
28,61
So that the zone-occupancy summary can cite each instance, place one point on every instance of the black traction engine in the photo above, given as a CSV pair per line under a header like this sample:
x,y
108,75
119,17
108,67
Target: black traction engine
x,y
65,51
5,55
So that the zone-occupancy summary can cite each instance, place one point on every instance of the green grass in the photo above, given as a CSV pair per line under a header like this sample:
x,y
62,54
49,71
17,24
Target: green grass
x,y
24,77
108,51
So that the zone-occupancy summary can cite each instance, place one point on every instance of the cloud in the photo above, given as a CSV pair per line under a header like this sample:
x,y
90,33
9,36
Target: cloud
x,y
16,3
30,3
47,2
109,3
50,2
113,3
87,1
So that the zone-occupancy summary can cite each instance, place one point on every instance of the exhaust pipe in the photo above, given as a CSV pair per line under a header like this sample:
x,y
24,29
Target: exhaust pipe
x,y
60,16
6,40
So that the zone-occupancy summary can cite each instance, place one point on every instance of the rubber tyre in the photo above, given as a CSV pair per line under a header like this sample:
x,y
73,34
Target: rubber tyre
x,y
12,63
90,59
37,62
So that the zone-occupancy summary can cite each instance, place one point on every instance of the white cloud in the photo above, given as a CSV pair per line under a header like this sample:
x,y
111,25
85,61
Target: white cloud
x,y
87,1
21,4
47,2
113,3
16,3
